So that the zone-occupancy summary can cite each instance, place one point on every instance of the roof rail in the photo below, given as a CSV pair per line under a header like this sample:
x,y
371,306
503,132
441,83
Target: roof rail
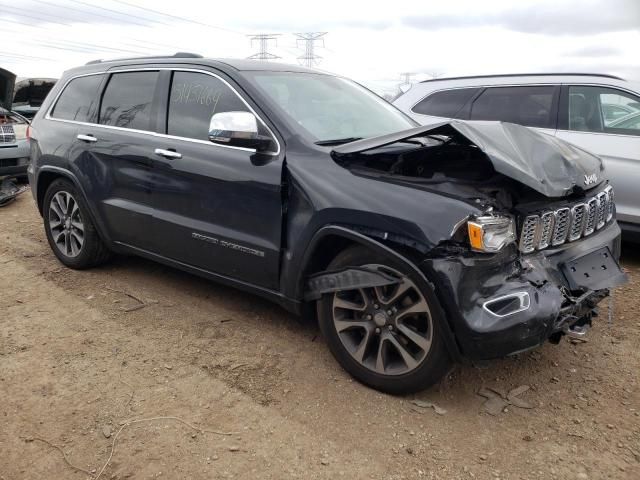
x,y
604,75
175,55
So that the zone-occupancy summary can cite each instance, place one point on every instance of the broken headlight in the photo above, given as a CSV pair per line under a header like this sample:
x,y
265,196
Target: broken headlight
x,y
491,233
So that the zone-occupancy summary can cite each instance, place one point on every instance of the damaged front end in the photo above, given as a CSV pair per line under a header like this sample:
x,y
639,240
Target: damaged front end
x,y
542,254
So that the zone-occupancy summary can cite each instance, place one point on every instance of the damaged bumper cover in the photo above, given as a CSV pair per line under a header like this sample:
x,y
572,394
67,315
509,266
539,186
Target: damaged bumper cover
x,y
509,303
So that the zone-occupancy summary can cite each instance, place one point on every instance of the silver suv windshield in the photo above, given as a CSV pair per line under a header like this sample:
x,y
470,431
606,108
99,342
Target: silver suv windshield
x,y
332,110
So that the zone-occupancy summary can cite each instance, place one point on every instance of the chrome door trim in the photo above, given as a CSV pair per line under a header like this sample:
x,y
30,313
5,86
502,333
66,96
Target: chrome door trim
x,y
156,134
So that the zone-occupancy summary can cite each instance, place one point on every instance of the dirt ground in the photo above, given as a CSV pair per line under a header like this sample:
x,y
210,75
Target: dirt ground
x,y
231,386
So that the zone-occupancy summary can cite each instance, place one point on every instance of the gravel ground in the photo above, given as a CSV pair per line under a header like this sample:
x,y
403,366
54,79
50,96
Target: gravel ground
x,y
230,386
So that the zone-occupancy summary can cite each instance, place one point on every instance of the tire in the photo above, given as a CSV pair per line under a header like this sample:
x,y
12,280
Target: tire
x,y
70,231
373,343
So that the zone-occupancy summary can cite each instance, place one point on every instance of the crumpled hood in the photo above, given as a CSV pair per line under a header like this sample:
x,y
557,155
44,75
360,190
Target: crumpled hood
x,y
7,82
544,163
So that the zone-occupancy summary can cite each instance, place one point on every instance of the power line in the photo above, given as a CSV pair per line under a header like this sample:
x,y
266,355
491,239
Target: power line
x,y
263,45
146,44
20,57
17,22
184,19
86,12
20,13
146,20
309,58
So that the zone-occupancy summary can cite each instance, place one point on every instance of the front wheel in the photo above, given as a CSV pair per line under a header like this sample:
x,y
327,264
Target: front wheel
x,y
386,337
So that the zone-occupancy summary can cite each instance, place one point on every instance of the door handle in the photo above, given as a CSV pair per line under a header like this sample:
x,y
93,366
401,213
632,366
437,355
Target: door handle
x,y
87,138
167,153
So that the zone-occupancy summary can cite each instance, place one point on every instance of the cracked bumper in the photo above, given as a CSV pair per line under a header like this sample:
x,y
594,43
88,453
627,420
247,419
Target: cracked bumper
x,y
535,281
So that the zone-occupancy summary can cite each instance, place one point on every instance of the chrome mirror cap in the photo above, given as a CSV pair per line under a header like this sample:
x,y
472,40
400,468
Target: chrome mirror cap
x,y
238,129
225,126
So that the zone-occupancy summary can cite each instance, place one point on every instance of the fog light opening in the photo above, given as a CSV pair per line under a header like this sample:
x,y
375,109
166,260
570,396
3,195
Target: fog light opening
x,y
508,304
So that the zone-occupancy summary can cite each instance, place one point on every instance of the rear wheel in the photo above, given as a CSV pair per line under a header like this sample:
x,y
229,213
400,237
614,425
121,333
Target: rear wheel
x,y
386,337
70,232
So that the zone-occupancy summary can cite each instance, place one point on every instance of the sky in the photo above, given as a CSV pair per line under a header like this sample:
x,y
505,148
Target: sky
x,y
371,42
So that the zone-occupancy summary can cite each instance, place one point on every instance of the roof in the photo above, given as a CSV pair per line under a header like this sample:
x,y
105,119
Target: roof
x,y
237,64
507,75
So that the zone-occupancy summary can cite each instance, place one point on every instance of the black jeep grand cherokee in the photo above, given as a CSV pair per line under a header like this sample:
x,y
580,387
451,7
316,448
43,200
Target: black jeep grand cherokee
x,y
419,246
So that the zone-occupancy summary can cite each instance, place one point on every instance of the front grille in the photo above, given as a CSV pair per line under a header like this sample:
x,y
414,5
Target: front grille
x,y
592,207
561,228
578,216
555,227
547,221
7,134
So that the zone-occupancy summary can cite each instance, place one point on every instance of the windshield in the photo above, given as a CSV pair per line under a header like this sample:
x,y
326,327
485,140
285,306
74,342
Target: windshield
x,y
330,108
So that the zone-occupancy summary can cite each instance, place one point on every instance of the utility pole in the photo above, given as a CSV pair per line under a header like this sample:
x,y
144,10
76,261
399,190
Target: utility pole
x,y
263,45
309,58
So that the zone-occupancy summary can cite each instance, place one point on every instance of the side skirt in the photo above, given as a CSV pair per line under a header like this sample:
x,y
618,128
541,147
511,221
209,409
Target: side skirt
x,y
288,304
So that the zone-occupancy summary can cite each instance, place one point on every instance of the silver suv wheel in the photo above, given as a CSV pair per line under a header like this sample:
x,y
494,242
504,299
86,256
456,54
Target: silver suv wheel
x,y
388,330
65,224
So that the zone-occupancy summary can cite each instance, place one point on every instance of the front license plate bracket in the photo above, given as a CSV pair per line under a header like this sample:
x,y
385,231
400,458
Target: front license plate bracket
x,y
594,271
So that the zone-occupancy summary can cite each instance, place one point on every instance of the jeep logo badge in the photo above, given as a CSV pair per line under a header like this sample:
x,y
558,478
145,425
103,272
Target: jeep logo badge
x,y
590,179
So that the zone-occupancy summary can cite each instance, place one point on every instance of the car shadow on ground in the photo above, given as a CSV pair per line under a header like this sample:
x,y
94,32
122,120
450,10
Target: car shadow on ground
x,y
459,387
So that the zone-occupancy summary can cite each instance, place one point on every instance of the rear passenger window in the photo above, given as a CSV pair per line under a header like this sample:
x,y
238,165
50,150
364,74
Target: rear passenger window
x,y
447,103
79,99
194,98
127,100
532,106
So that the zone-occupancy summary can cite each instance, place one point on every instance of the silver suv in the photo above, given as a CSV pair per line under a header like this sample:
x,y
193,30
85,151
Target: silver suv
x,y
599,113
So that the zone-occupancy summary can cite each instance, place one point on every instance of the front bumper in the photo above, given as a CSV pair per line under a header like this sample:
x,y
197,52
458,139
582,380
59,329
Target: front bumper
x,y
532,289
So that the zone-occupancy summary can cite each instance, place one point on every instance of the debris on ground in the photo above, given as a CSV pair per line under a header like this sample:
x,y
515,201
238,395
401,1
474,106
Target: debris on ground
x,y
9,190
497,400
425,404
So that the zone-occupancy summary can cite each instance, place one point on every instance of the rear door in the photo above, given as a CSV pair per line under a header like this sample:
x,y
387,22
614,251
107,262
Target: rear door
x,y
116,161
593,117
216,207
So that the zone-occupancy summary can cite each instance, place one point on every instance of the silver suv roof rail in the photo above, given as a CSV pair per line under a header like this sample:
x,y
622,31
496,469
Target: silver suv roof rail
x,y
175,55
604,75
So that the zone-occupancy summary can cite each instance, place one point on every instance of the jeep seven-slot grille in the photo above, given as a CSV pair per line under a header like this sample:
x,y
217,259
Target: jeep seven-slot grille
x,y
7,134
567,224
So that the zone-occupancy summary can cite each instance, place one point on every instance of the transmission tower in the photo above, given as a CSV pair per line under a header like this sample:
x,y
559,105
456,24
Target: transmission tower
x,y
263,44
406,79
309,58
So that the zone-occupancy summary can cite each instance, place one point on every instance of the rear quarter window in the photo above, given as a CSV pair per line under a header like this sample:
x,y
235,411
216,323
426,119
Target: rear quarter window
x,y
79,99
446,103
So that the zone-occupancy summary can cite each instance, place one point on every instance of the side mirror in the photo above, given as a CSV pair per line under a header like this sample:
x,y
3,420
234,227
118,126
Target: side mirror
x,y
237,129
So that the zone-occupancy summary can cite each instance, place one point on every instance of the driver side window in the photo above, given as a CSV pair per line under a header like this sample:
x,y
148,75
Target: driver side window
x,y
194,99
603,110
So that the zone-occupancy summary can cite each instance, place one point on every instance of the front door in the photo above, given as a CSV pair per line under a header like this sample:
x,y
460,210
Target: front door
x,y
606,121
215,207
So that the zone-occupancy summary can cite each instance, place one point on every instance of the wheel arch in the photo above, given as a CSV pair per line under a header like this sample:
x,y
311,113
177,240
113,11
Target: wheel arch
x,y
330,240
49,174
